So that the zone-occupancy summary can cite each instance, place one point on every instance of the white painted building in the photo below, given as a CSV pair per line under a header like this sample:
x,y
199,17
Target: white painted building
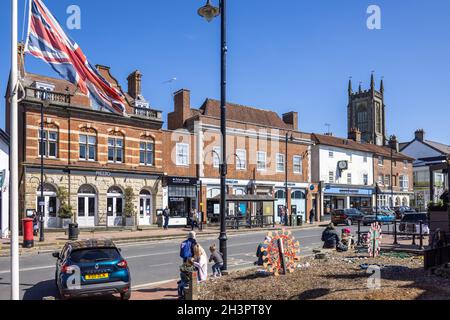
x,y
4,183
345,170
426,153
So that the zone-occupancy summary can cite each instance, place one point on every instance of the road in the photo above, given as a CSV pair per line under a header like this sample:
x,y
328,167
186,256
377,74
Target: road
x,y
150,262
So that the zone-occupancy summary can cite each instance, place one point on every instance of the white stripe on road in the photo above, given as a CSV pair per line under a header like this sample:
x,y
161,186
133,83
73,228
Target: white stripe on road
x,y
28,269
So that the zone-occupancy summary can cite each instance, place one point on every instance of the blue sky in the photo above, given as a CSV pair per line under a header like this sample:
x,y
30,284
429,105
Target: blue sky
x,y
283,55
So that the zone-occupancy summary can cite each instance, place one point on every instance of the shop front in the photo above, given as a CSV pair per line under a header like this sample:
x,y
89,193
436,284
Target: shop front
x,y
182,197
346,197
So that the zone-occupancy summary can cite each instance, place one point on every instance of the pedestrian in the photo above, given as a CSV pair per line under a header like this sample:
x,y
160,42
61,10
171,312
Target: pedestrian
x,y
166,216
332,240
186,271
198,218
192,219
312,216
201,263
261,252
217,258
187,247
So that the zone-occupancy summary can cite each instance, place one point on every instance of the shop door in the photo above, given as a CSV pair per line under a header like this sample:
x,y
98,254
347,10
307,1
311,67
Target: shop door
x,y
145,210
115,211
87,211
50,210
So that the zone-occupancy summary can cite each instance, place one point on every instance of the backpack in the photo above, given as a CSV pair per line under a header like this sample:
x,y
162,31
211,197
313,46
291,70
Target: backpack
x,y
186,250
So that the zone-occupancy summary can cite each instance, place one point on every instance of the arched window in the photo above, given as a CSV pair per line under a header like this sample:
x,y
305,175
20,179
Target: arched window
x,y
147,152
280,194
362,118
298,195
405,202
87,189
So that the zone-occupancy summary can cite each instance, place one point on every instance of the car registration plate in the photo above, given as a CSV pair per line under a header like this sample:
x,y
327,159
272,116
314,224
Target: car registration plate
x,y
97,276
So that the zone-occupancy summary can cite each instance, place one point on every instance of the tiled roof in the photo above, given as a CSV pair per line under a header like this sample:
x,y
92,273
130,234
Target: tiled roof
x,y
353,145
236,112
439,146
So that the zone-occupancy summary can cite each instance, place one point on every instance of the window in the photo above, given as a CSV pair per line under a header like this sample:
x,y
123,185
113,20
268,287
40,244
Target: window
x,y
380,161
280,163
298,165
261,160
349,178
387,180
331,177
147,153
404,182
380,179
182,154
115,150
362,118
48,146
366,179
216,158
88,146
241,161
365,159
331,154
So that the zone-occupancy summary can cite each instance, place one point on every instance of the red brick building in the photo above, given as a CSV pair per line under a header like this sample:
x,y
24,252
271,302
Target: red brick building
x,y
95,156
256,156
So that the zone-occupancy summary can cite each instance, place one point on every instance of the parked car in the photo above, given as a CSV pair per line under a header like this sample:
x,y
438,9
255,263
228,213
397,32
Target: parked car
x,y
99,265
400,212
411,223
383,216
346,216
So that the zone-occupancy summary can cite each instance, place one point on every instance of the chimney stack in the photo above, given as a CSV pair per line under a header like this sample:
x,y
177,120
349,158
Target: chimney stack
x,y
182,110
420,135
393,143
291,119
355,135
135,84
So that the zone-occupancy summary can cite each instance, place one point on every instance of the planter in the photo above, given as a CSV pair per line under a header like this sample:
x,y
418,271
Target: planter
x,y
64,223
129,222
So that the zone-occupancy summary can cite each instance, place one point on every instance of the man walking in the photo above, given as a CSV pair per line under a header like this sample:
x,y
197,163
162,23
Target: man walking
x,y
166,215
312,216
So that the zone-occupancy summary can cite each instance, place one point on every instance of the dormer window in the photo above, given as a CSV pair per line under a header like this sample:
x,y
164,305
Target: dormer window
x,y
43,88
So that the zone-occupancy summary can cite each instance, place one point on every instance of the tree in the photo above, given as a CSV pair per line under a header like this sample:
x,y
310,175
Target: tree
x,y
65,209
129,209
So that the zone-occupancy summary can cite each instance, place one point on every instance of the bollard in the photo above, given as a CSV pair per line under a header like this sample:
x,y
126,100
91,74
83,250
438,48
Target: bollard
x,y
395,233
191,293
421,236
359,232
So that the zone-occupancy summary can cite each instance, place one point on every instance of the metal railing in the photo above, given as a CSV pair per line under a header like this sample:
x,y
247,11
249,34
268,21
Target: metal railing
x,y
44,95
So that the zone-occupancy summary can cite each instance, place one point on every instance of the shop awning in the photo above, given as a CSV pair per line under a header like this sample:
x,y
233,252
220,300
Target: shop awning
x,y
247,198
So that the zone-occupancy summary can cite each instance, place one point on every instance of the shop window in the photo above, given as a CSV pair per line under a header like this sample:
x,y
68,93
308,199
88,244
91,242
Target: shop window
x,y
298,195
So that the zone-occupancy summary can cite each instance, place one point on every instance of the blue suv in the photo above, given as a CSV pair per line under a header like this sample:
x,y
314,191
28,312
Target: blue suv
x,y
92,268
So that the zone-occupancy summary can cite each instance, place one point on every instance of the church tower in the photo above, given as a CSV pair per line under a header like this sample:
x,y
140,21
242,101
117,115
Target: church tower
x,y
366,112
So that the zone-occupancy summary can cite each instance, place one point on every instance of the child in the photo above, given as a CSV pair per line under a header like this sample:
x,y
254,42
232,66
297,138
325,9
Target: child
x,y
347,238
218,261
185,274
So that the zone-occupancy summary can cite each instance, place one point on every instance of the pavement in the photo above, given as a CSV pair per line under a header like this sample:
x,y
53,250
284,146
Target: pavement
x,y
55,240
154,265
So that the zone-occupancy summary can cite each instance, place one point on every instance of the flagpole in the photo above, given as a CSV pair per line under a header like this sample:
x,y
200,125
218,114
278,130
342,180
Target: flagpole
x,y
14,159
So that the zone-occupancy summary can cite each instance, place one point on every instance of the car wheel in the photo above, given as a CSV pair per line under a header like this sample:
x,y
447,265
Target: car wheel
x,y
125,296
349,222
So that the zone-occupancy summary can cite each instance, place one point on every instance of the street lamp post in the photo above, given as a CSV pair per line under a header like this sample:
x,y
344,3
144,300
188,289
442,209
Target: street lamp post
x,y
209,12
41,203
286,176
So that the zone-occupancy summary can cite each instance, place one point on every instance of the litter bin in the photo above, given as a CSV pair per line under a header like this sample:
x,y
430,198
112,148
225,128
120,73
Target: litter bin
x,y
28,233
73,231
294,221
299,221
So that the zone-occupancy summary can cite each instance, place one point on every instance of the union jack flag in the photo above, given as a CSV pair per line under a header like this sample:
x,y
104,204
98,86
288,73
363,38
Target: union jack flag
x,y
46,40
